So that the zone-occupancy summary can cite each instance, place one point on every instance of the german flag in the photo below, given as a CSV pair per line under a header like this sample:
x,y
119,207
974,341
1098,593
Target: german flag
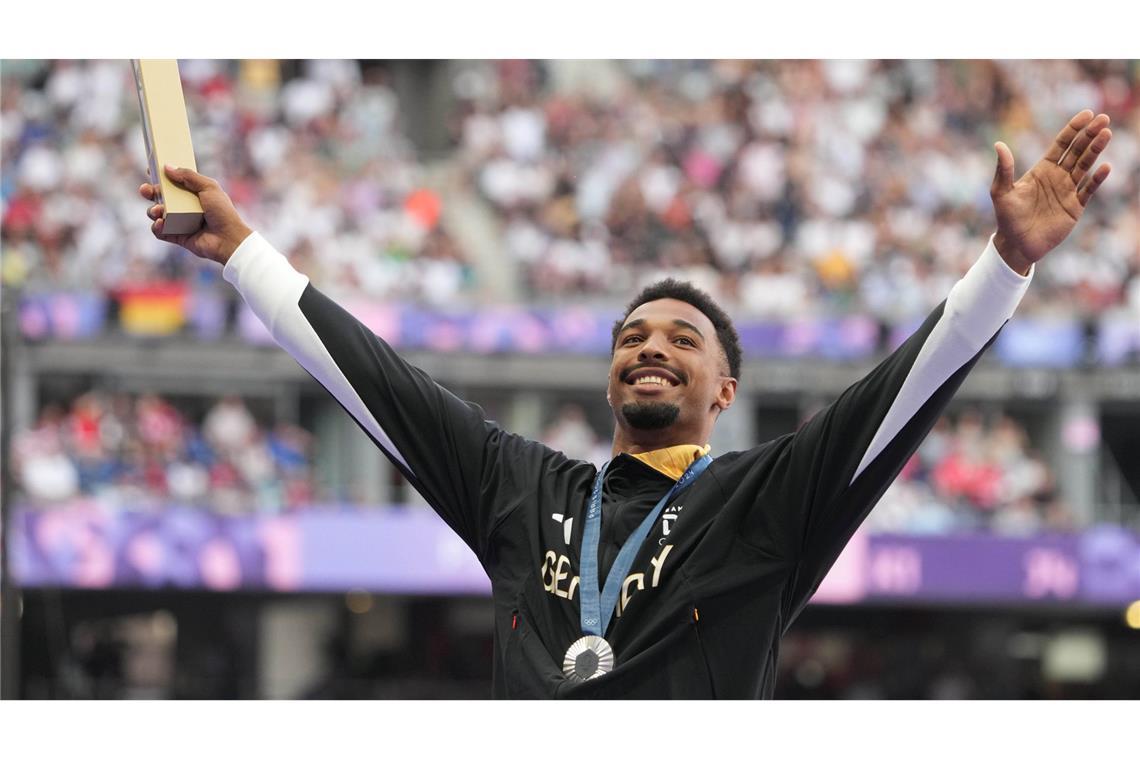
x,y
157,308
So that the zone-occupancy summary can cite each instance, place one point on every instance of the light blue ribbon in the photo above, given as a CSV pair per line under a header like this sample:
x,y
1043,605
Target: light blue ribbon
x,y
594,621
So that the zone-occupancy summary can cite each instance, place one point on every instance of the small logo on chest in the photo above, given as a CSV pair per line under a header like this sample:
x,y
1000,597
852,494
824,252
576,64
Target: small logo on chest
x,y
668,517
567,526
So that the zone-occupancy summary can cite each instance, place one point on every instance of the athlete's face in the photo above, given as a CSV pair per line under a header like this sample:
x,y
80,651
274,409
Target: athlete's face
x,y
669,371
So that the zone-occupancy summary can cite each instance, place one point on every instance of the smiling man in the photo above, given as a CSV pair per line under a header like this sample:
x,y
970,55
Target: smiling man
x,y
668,573
674,368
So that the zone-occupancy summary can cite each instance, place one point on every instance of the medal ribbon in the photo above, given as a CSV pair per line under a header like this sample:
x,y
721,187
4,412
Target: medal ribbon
x,y
594,620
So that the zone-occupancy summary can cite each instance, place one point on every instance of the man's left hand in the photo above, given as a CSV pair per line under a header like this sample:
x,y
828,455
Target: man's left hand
x,y
1038,211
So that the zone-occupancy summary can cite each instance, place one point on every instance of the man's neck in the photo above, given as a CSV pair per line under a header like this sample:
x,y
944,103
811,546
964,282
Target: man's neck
x,y
644,443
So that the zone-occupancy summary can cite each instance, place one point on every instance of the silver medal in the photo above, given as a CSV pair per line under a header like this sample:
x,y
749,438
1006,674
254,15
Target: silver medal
x,y
588,657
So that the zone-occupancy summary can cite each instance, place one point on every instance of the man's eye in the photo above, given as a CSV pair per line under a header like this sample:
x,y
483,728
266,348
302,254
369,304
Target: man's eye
x,y
687,340
629,338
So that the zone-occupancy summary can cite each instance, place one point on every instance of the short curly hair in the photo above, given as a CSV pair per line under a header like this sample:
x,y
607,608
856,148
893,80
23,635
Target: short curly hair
x,y
694,296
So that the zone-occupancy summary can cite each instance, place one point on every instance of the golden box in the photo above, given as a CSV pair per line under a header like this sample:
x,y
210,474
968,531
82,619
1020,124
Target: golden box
x,y
166,128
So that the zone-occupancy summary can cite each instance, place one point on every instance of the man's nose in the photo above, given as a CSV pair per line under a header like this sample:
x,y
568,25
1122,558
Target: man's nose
x,y
654,347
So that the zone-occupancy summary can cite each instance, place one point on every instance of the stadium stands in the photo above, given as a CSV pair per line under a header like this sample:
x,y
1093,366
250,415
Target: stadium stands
x,y
164,446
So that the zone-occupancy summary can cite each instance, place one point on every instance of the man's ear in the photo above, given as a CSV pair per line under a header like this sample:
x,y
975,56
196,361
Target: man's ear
x,y
727,393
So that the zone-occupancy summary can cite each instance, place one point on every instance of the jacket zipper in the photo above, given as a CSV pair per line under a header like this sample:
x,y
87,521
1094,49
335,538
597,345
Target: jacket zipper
x,y
694,620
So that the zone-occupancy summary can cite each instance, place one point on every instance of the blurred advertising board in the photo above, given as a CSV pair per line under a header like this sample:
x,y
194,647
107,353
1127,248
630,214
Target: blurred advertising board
x,y
1118,340
167,309
578,330
62,315
85,544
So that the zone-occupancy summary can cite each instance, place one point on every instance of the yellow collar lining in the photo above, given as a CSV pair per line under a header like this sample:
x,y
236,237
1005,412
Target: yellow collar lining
x,y
672,461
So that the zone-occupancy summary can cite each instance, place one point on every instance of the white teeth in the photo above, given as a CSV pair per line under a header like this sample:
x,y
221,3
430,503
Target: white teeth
x,y
651,379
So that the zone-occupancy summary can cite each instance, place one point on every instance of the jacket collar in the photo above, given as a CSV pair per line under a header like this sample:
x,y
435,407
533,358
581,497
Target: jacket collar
x,y
672,461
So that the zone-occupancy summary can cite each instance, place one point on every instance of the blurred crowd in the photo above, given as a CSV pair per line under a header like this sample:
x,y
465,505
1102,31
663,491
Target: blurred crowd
x,y
787,188
145,452
971,474
311,152
791,188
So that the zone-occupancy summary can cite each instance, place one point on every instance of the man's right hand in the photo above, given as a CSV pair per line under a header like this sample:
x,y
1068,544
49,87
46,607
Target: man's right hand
x,y
222,230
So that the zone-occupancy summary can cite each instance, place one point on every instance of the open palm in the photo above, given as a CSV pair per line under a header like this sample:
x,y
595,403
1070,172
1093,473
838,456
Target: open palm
x,y
1039,210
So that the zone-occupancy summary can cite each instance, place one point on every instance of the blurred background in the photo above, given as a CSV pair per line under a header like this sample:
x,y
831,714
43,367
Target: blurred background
x,y
188,515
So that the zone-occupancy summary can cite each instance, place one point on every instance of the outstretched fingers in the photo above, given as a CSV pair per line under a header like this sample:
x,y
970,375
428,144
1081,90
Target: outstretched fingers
x,y
1067,134
1089,155
1092,182
1081,142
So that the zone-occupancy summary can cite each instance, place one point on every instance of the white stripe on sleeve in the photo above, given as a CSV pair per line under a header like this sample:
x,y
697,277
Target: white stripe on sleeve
x,y
978,305
272,288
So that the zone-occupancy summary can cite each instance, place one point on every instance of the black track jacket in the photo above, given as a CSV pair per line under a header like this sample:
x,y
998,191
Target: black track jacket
x,y
719,579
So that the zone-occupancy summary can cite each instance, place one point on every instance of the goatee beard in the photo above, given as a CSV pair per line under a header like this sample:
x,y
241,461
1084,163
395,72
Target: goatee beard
x,y
650,415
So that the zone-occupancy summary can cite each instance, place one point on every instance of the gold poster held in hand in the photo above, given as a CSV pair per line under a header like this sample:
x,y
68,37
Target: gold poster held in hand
x,y
166,129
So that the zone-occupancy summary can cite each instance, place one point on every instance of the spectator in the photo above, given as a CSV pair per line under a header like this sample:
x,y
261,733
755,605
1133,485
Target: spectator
x,y
571,433
229,427
41,463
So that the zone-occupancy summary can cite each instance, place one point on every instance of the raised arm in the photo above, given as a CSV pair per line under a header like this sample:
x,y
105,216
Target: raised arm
x,y
1034,215
443,445
843,459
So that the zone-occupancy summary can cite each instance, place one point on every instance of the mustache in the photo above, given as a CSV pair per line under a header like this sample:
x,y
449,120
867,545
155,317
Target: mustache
x,y
677,373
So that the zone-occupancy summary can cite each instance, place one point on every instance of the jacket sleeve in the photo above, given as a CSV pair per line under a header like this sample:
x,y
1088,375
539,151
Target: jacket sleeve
x,y
833,470
443,445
